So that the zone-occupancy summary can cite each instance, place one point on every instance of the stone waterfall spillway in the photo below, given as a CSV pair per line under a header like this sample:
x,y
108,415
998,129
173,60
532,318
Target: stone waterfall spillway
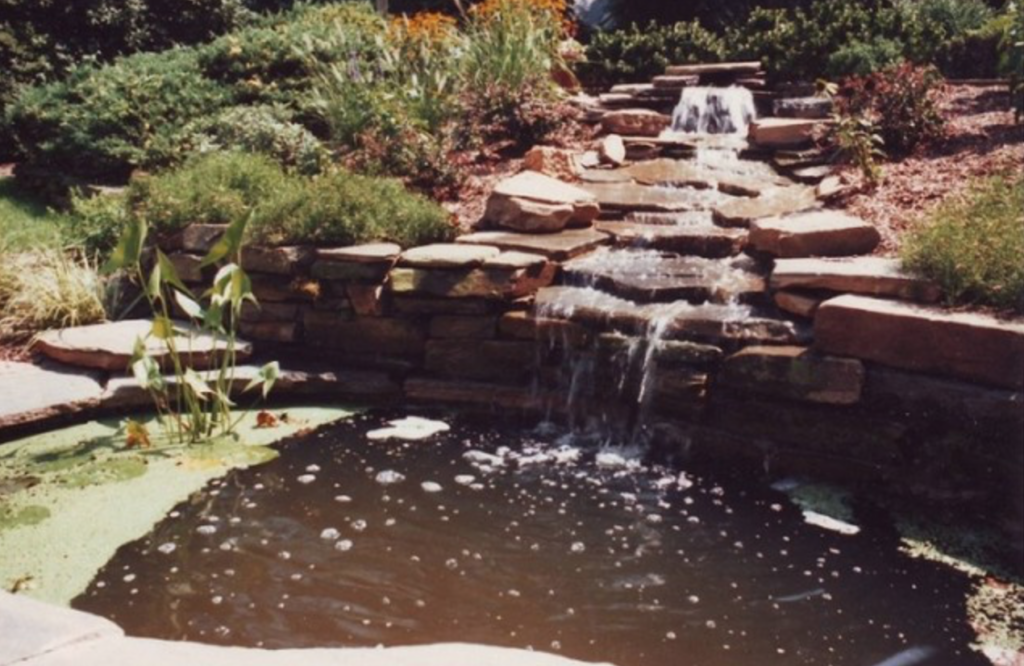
x,y
704,110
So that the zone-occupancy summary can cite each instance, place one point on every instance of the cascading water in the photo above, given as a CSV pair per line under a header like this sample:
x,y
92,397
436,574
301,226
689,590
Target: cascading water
x,y
704,110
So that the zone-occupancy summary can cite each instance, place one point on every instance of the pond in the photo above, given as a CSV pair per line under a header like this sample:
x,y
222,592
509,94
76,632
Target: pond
x,y
527,538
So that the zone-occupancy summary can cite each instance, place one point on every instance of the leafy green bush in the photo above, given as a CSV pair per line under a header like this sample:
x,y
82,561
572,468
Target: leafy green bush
x,y
334,208
101,123
94,223
637,53
972,247
861,59
342,208
266,130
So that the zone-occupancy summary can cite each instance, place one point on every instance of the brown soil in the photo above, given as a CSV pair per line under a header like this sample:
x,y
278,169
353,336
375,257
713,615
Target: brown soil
x,y
981,139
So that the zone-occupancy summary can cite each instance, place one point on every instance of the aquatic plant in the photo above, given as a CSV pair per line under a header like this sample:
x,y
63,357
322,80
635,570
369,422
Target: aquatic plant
x,y
194,406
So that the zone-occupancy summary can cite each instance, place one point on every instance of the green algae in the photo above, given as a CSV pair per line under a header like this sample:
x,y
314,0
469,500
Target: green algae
x,y
70,498
828,500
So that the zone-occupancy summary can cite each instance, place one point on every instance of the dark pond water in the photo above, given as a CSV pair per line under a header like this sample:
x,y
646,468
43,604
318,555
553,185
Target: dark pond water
x,y
346,542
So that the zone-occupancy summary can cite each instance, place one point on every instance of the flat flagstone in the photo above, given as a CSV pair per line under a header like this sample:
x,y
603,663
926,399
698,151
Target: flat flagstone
x,y
782,132
705,240
738,68
774,203
557,246
448,255
110,346
971,346
34,394
635,197
369,253
32,628
873,276
820,233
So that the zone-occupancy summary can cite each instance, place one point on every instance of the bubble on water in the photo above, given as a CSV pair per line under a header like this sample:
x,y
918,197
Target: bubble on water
x,y
306,478
129,578
390,522
313,469
330,534
344,545
431,487
359,525
296,577
483,459
465,479
710,624
515,593
206,529
654,518
227,545
216,600
670,635
389,477
578,547
167,548
693,599
451,563
342,499
556,645
284,555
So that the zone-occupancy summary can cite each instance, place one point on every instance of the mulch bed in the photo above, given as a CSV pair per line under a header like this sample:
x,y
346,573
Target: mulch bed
x,y
981,140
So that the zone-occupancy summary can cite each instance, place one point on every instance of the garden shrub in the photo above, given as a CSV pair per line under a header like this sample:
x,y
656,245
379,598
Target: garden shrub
x,y
972,246
267,130
861,59
93,224
900,100
102,122
343,208
636,54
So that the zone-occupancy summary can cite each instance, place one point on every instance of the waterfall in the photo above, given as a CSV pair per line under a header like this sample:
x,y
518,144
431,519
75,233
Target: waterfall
x,y
704,110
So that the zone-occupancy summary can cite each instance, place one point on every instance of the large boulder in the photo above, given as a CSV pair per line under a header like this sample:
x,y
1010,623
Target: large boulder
x,y
820,233
971,346
635,122
555,162
533,202
782,132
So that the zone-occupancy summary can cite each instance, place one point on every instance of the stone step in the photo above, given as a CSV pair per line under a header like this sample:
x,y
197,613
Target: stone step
x,y
110,346
873,276
776,133
701,240
687,173
34,393
775,203
559,246
971,346
674,82
820,233
750,68
635,122
534,202
629,196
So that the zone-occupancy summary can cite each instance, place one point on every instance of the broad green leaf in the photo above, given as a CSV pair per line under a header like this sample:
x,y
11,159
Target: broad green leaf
x,y
266,377
155,284
169,274
147,373
189,306
196,383
129,247
229,244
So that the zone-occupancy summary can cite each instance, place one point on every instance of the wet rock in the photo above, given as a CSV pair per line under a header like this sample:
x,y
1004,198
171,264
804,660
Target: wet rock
x,y
782,132
635,197
269,311
558,246
612,150
111,346
950,402
699,240
367,300
516,260
558,163
774,203
447,255
526,326
674,81
800,303
796,373
463,327
275,288
369,253
635,122
675,173
605,176
803,107
970,346
425,305
720,328
821,233
37,394
667,353
472,393
291,260
873,276
270,331
351,271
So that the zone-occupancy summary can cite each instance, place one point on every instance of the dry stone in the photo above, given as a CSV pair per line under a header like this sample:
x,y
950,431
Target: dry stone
x,y
782,132
528,216
559,246
612,150
447,255
291,260
558,163
188,267
735,68
774,203
369,253
635,122
510,203
874,276
33,394
795,373
111,346
802,304
965,345
485,283
200,238
822,233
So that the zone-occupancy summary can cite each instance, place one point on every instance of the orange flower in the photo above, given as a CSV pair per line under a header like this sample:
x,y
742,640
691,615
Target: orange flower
x,y
425,27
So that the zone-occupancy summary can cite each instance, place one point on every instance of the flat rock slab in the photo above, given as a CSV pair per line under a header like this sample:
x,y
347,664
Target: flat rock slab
x,y
803,107
536,186
794,372
634,197
448,255
873,276
558,246
970,346
32,628
773,203
782,132
700,240
635,122
289,260
109,346
370,253
737,68
820,233
31,393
